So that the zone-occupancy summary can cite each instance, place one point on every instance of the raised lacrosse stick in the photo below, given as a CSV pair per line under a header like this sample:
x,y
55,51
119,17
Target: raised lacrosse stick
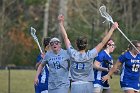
x,y
33,31
104,14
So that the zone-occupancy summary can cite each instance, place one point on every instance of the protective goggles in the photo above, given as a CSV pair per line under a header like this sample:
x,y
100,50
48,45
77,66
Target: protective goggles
x,y
54,42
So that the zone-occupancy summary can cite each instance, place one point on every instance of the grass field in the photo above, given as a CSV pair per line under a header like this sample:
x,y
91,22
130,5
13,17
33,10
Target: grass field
x,y
22,82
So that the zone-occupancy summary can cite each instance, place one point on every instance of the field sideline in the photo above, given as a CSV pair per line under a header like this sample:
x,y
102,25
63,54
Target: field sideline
x,y
22,82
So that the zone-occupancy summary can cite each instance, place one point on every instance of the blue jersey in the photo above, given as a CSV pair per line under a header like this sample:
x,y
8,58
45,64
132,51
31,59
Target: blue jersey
x,y
43,78
58,69
81,68
106,61
130,70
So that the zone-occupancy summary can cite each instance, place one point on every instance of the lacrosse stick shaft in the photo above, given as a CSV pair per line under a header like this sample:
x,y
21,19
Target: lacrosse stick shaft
x,y
33,31
128,39
104,14
39,47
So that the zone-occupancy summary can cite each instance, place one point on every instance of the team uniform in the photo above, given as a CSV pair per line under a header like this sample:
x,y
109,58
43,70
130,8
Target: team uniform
x,y
106,61
42,86
58,81
81,70
130,71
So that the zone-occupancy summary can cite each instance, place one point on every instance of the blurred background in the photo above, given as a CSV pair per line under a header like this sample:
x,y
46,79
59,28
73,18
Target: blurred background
x,y
18,50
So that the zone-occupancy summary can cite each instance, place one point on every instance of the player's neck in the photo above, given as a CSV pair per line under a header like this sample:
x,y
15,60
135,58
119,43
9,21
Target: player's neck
x,y
107,50
133,53
56,51
82,51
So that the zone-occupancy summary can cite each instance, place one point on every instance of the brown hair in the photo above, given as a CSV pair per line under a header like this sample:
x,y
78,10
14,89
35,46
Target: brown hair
x,y
107,43
135,43
46,41
81,43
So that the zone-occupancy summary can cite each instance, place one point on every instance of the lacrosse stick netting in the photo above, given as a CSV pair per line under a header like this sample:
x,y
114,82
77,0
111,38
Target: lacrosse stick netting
x,y
104,14
33,31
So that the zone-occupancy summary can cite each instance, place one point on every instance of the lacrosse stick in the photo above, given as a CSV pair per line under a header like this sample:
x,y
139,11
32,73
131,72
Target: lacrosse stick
x,y
33,31
104,14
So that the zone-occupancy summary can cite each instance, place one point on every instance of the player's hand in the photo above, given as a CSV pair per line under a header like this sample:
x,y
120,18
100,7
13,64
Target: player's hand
x,y
117,71
36,81
42,55
61,18
106,69
115,25
105,78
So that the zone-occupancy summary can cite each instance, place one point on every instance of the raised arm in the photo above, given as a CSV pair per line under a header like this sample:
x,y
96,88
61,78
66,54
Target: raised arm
x,y
63,31
106,38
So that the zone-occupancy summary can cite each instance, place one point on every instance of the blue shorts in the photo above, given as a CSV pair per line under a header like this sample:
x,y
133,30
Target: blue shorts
x,y
130,85
40,87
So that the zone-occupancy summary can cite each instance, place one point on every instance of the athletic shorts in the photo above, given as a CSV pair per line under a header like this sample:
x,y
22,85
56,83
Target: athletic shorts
x,y
130,85
81,87
40,88
59,90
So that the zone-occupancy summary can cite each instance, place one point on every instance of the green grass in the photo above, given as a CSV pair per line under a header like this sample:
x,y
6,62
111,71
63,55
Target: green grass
x,y
115,84
22,82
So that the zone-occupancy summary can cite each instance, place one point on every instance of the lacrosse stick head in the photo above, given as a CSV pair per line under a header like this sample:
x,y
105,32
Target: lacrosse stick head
x,y
33,31
104,14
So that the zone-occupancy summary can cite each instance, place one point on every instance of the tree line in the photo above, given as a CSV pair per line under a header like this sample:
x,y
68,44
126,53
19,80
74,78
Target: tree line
x,y
82,18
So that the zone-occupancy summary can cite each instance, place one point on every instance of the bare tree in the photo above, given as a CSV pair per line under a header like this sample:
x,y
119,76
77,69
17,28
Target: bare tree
x,y
63,10
46,19
4,18
53,13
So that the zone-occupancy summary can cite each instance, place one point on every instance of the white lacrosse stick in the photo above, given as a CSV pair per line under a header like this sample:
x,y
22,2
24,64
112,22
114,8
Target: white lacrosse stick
x,y
104,14
33,31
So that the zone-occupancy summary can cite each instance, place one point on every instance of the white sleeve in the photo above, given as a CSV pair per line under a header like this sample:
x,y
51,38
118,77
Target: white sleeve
x,y
71,51
93,53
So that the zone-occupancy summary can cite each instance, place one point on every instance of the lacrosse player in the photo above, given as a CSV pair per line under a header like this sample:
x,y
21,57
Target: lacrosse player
x,y
57,60
81,67
103,62
130,62
42,86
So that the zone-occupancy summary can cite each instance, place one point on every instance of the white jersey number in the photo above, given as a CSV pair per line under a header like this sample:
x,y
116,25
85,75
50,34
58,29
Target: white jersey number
x,y
135,67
